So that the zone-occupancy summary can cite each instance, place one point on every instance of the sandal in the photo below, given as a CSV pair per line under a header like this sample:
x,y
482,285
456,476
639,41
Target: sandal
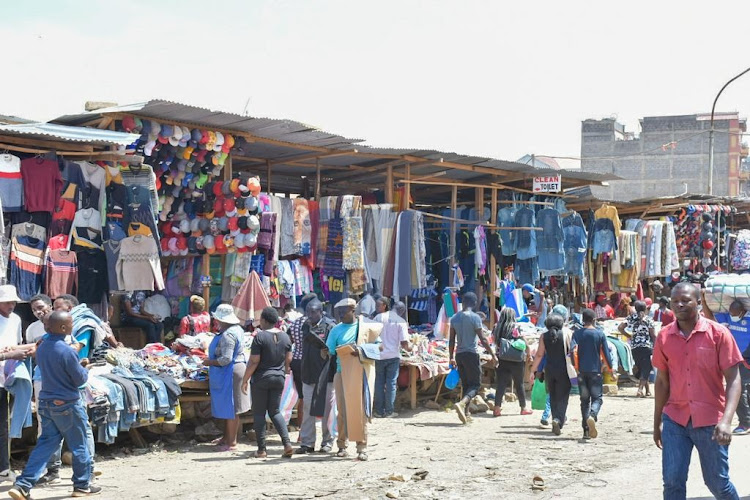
x,y
537,483
260,454
218,441
362,456
639,394
226,447
342,453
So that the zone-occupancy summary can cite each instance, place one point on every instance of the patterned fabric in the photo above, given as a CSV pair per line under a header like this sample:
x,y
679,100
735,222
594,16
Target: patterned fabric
x,y
333,265
258,263
26,265
286,244
741,251
353,256
640,331
302,229
295,333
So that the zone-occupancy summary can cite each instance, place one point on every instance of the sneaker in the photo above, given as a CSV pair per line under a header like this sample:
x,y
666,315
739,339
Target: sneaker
x,y
86,492
591,422
544,423
7,475
51,477
461,413
378,415
362,456
325,449
586,435
392,415
18,493
556,427
303,450
741,430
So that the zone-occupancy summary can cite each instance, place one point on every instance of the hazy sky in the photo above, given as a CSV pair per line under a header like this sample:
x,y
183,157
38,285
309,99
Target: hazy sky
x,y
495,78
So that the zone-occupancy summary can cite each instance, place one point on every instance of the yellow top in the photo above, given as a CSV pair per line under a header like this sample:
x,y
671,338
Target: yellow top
x,y
138,228
609,212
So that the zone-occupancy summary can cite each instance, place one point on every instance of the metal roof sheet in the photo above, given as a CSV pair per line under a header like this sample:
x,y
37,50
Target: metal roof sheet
x,y
68,133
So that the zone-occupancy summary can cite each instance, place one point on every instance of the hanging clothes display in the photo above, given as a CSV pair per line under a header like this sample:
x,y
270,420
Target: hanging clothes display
x,y
138,266
549,242
574,244
11,183
42,184
61,273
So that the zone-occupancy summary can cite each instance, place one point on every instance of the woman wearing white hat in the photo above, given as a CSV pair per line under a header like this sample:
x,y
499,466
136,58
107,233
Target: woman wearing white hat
x,y
226,366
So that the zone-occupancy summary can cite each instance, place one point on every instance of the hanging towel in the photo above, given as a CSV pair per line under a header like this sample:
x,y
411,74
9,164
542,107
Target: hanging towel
x,y
286,244
250,299
352,253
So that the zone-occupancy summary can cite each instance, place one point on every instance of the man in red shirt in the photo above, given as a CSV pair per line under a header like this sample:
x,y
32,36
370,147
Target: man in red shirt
x,y
692,408
663,314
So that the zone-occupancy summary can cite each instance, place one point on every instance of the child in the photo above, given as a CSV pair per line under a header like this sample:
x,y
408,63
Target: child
x,y
61,411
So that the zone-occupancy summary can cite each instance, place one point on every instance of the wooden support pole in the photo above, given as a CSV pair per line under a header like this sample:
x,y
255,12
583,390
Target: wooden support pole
x,y
407,190
479,207
452,246
493,263
317,179
268,176
389,184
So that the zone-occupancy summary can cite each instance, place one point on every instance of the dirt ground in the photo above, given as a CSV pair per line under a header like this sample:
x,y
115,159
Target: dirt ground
x,y
489,457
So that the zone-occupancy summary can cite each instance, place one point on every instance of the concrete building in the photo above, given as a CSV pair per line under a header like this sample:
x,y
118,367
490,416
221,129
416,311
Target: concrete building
x,y
669,152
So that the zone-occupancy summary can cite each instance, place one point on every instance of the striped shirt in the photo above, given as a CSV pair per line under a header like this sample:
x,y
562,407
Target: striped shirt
x,y
26,265
61,273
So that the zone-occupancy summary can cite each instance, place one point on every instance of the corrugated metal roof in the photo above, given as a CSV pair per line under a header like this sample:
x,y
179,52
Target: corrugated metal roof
x,y
68,133
303,135
268,128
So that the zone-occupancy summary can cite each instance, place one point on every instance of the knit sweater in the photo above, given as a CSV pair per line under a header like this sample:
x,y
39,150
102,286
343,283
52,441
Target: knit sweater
x,y
61,273
11,183
26,265
138,265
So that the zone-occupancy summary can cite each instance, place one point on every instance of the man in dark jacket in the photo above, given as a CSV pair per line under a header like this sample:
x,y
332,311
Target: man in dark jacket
x,y
314,358
590,344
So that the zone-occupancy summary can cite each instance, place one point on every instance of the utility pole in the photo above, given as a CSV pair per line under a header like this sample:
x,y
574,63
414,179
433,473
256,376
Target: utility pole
x,y
711,136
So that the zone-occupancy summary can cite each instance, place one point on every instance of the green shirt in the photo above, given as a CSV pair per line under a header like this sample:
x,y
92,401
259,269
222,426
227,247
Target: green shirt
x,y
339,335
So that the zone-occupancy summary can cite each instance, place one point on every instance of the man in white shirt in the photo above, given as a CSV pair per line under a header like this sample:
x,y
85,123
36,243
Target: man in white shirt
x,y
394,336
10,336
41,305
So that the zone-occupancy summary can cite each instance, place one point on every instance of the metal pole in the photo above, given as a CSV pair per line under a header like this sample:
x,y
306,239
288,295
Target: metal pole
x,y
711,136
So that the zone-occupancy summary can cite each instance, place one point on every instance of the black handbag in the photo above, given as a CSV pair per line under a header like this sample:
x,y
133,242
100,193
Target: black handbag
x,y
506,352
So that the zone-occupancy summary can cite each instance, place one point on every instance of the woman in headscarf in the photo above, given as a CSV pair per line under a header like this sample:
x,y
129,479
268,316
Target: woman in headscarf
x,y
270,361
226,365
553,347
198,321
624,309
508,371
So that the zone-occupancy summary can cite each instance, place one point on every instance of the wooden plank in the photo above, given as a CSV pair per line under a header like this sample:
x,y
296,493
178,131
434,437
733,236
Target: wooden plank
x,y
206,271
413,387
138,440
268,177
315,156
452,245
45,143
479,207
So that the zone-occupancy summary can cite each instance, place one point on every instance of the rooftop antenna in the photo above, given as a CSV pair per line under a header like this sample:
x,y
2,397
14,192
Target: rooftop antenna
x,y
247,105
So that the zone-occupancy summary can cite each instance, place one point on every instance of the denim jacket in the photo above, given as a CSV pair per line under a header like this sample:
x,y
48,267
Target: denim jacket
x,y
575,244
525,239
604,237
506,218
549,241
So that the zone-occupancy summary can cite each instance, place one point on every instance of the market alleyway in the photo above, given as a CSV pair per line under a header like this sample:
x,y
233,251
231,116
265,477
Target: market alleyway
x,y
490,456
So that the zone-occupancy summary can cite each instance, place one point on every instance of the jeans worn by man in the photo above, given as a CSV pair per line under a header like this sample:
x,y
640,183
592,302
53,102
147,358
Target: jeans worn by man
x,y
386,376
590,388
60,421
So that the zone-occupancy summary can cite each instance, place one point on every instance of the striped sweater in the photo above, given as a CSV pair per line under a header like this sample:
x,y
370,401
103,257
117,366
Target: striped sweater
x,y
61,273
138,265
26,265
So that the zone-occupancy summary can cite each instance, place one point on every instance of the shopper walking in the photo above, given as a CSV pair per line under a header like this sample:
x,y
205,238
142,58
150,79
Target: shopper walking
x,y
226,366
695,357
62,412
270,360
466,333
590,345
642,336
663,315
509,371
553,346
315,330
395,335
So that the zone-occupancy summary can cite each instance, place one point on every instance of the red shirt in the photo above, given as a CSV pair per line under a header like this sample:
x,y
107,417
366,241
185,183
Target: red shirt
x,y
696,365
201,322
666,317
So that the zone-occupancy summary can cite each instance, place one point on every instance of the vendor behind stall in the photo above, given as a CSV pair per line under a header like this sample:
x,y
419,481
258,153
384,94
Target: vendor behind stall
x,y
134,315
198,321
226,366
535,302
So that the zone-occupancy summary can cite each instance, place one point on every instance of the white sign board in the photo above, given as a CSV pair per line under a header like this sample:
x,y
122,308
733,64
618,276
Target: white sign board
x,y
548,184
